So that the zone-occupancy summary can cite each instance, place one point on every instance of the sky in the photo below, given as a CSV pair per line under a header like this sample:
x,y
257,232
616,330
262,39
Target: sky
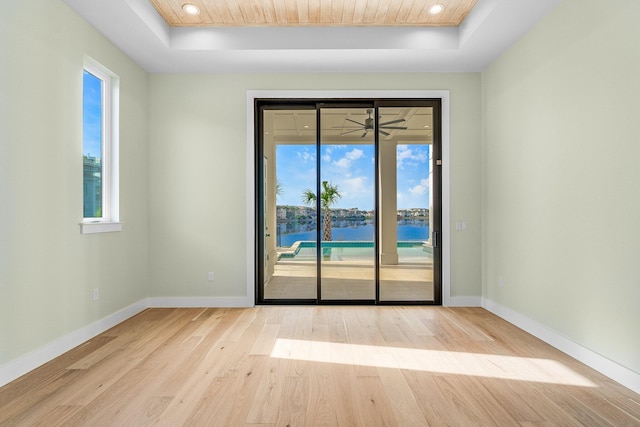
x,y
351,168
91,115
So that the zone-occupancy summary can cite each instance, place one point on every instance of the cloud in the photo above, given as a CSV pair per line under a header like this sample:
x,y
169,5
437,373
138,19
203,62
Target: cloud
x,y
356,191
343,163
326,157
403,152
356,184
349,158
420,189
410,156
354,154
305,155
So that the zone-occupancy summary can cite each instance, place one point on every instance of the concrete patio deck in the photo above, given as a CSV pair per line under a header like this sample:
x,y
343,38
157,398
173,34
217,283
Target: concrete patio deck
x,y
352,280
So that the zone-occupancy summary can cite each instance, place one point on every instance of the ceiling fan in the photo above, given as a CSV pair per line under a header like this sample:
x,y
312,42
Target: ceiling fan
x,y
368,125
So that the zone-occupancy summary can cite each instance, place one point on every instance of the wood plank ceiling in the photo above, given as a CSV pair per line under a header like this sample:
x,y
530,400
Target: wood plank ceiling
x,y
271,13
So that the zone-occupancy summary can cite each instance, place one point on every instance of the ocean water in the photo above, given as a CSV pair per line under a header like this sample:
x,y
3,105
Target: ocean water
x,y
415,231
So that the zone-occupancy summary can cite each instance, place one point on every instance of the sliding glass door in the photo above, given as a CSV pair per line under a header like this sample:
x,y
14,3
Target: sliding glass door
x,y
406,206
347,194
348,202
289,224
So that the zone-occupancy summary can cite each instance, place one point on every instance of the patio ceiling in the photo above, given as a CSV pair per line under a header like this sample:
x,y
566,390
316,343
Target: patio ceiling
x,y
298,126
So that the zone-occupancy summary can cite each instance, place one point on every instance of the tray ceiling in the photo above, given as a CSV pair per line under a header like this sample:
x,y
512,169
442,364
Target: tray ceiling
x,y
255,13
490,27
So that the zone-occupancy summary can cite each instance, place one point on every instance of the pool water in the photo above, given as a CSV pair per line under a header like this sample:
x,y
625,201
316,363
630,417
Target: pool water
x,y
352,251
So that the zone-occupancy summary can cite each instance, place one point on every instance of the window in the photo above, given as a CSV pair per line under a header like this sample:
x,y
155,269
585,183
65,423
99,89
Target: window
x,y
99,149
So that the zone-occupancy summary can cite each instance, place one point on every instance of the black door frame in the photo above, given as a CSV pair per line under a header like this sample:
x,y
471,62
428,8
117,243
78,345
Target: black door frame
x,y
261,104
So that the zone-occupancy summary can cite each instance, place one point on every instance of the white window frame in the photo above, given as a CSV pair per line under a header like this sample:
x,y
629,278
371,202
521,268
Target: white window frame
x,y
110,220
443,95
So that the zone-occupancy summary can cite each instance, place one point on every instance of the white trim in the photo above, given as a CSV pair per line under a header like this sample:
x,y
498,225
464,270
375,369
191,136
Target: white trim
x,y
250,194
110,143
443,95
446,198
611,369
24,364
114,151
99,227
470,301
209,302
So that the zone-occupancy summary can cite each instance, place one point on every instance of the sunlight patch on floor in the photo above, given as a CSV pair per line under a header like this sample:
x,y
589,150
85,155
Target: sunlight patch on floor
x,y
446,362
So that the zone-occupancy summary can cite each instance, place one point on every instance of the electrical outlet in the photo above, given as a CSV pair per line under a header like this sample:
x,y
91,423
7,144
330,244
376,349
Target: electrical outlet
x,y
96,294
500,283
211,276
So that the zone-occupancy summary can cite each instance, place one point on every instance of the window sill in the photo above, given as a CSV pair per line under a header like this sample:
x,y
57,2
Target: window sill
x,y
100,227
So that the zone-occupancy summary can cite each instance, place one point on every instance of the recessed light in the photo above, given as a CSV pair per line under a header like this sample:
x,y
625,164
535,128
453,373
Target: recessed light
x,y
191,9
306,126
436,9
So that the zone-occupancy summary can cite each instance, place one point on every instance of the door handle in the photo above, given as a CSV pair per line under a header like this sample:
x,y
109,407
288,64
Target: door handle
x,y
268,235
435,239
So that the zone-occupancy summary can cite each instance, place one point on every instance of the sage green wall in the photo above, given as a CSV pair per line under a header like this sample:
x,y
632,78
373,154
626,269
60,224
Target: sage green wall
x,y
561,181
47,268
198,164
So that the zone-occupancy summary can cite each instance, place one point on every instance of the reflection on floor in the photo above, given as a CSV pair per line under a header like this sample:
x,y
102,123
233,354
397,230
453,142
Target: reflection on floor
x,y
352,280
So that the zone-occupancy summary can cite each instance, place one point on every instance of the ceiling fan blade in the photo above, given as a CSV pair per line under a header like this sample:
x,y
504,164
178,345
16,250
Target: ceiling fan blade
x,y
358,123
383,132
350,131
391,122
394,127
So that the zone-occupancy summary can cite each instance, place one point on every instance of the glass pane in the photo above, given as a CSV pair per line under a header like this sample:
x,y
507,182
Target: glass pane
x,y
347,194
290,220
406,199
92,114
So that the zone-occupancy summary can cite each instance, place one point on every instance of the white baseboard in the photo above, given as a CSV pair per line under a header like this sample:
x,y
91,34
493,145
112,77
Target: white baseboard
x,y
24,364
180,302
611,369
465,302
16,368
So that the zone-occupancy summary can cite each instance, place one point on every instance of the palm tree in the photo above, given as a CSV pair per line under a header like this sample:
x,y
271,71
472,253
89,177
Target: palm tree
x,y
328,197
279,188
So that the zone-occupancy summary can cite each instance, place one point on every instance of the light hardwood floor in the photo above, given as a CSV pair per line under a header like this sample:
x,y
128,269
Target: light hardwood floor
x,y
316,366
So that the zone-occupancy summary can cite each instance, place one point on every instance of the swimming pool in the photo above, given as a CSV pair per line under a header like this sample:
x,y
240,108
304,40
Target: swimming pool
x,y
350,250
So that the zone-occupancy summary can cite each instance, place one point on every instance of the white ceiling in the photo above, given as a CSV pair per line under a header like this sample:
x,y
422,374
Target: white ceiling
x,y
137,28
